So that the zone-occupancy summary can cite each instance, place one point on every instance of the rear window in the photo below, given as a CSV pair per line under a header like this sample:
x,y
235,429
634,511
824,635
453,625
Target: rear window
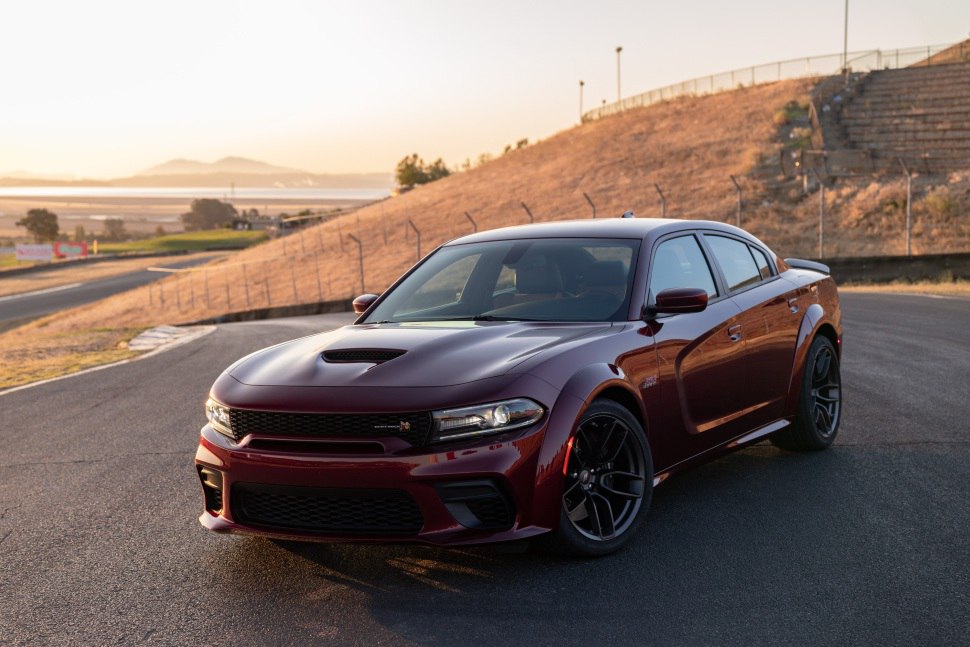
x,y
735,260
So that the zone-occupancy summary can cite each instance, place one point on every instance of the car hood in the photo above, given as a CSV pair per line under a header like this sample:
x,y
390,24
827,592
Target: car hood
x,y
435,353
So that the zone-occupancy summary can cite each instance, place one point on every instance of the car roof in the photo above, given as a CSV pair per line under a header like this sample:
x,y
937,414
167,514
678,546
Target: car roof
x,y
600,228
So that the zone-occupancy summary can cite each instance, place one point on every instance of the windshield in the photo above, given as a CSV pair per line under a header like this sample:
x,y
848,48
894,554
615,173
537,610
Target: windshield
x,y
549,279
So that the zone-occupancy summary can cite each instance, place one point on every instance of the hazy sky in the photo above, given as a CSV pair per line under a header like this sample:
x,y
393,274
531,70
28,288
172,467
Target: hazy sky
x,y
102,88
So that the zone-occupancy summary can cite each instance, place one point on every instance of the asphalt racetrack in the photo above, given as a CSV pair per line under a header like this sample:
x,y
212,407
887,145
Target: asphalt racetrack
x,y
867,543
17,309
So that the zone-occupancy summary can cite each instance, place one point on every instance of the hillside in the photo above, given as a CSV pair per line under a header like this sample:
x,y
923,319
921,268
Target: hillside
x,y
225,165
689,146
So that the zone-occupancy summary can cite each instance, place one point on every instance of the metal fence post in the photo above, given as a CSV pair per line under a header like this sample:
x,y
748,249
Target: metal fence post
x,y
269,300
205,282
383,224
472,220
821,214
590,201
178,293
663,201
737,185
418,234
316,267
246,284
524,206
296,296
225,277
360,256
340,235
909,207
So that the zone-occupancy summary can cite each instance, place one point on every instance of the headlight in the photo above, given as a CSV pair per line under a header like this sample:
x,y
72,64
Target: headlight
x,y
484,419
218,416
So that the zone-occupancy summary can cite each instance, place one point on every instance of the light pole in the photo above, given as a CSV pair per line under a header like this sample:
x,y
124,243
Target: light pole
x,y
581,84
845,43
618,50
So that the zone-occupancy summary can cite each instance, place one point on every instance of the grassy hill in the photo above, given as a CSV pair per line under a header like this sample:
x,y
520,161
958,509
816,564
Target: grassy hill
x,y
690,146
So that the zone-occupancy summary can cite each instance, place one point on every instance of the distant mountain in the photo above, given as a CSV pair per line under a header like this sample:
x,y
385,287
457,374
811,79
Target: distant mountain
x,y
27,175
225,165
229,171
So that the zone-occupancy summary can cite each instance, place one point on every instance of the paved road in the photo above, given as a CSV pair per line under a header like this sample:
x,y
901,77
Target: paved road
x,y
866,543
18,309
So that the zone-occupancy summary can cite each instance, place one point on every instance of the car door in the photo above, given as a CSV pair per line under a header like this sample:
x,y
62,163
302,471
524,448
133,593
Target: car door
x,y
700,355
769,325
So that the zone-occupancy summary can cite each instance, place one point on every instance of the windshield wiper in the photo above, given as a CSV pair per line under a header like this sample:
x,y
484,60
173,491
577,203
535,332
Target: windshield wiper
x,y
495,318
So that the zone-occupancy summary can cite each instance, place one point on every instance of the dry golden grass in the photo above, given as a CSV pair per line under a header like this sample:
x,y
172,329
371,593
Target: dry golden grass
x,y
689,146
29,357
941,288
65,275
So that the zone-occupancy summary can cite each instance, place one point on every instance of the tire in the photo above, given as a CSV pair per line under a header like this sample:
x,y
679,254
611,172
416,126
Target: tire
x,y
609,472
819,410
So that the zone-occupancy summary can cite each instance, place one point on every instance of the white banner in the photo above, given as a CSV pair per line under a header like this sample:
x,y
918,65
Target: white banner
x,y
35,252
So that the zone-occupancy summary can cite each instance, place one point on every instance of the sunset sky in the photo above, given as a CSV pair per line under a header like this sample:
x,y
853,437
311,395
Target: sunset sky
x,y
105,89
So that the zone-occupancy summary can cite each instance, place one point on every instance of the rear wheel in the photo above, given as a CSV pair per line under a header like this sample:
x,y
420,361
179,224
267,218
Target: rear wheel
x,y
608,483
820,403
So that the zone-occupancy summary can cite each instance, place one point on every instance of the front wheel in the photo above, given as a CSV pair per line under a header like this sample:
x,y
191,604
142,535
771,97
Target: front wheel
x,y
608,484
820,403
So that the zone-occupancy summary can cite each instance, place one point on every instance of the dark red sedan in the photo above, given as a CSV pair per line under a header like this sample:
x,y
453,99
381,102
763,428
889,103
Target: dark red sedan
x,y
536,380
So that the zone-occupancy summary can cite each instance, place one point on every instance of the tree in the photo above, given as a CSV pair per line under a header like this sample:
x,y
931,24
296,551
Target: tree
x,y
208,213
79,233
41,223
412,170
114,229
160,231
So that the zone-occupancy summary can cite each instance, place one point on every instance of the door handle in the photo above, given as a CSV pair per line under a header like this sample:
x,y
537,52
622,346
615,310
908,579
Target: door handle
x,y
734,332
793,304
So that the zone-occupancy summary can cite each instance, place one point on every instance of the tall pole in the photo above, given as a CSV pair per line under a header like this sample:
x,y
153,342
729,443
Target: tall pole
x,y
581,84
618,50
821,214
845,43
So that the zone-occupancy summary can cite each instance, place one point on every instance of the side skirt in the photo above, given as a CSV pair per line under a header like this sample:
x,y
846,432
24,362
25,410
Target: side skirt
x,y
723,448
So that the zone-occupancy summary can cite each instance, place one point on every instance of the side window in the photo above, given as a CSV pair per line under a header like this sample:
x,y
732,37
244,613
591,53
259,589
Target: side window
x,y
680,263
761,260
735,260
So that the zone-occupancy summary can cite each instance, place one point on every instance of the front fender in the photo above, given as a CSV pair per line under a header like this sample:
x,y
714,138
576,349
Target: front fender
x,y
578,392
812,320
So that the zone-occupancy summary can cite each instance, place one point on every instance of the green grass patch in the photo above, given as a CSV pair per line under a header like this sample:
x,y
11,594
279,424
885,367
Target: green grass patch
x,y
190,241
8,261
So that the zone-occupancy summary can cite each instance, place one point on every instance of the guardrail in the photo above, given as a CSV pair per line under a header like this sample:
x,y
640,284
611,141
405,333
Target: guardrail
x,y
825,65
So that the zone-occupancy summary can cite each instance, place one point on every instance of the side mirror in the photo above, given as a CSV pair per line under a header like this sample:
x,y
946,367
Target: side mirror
x,y
678,301
363,302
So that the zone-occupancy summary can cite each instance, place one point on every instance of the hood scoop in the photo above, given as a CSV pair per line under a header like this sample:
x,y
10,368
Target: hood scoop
x,y
361,355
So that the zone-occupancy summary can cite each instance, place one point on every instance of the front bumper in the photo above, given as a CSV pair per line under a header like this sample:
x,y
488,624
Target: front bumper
x,y
512,462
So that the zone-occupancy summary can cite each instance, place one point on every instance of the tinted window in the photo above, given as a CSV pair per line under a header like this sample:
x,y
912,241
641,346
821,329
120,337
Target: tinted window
x,y
735,260
762,261
540,279
680,263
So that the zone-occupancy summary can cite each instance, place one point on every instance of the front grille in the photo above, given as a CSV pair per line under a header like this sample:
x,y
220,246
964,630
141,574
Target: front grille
x,y
364,355
326,510
412,427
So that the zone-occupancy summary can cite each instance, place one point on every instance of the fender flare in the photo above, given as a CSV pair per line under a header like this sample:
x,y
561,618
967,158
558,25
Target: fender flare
x,y
813,319
579,391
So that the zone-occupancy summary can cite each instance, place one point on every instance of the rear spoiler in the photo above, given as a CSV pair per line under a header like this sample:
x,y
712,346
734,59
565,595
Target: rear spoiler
x,y
802,264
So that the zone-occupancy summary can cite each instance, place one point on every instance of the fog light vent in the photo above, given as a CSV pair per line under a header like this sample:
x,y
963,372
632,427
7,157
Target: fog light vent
x,y
211,488
478,504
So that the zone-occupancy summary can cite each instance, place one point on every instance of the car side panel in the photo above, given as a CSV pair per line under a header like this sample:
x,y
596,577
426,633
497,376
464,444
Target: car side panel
x,y
769,322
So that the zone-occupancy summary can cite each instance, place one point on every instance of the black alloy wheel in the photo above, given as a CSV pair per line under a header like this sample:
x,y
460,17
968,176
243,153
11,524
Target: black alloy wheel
x,y
819,409
608,482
